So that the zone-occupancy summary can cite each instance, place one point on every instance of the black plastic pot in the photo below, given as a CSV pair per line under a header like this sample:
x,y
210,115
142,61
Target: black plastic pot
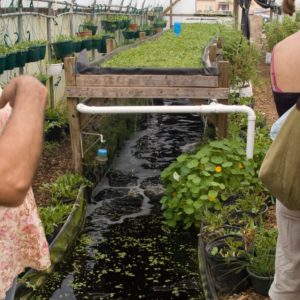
x,y
128,35
42,52
77,46
2,63
10,61
21,58
208,235
33,54
259,283
87,44
103,43
63,49
97,43
228,274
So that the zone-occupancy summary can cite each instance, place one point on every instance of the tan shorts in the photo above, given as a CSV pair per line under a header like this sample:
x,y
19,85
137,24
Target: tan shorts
x,y
286,285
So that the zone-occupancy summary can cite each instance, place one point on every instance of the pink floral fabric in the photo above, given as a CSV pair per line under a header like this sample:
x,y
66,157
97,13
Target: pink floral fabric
x,y
22,238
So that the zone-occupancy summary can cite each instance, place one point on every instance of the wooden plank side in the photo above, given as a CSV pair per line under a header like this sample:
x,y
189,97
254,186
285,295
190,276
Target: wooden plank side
x,y
147,92
147,80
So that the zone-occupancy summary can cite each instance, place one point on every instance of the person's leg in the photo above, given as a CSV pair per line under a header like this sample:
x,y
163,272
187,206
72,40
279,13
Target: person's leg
x,y
286,284
10,294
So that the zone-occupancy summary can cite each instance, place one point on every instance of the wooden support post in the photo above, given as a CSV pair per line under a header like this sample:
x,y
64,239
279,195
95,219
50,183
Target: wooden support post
x,y
49,39
142,36
221,121
236,13
73,115
109,45
213,53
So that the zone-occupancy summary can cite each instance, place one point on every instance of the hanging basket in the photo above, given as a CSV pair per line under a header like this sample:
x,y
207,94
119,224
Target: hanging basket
x,y
77,46
87,44
42,51
21,58
128,35
10,61
84,33
92,28
54,69
2,63
33,54
133,27
97,43
103,43
63,49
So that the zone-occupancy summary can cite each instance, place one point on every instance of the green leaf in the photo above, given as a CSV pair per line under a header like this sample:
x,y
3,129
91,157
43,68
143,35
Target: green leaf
x,y
189,210
204,160
217,160
182,158
176,176
213,194
192,164
198,204
227,164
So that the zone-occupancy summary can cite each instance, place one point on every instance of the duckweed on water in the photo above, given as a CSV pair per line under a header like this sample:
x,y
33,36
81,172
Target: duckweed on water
x,y
168,50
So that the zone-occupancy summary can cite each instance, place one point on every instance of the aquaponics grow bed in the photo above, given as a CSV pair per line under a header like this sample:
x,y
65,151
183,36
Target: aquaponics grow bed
x,y
200,84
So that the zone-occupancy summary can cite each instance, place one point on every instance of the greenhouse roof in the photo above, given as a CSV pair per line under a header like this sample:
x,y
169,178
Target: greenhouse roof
x,y
134,3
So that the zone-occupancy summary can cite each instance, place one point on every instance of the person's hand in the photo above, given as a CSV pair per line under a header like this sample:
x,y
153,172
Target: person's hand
x,y
23,88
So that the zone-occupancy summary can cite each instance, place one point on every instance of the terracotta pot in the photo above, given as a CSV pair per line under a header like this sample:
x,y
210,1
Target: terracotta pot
x,y
133,27
84,33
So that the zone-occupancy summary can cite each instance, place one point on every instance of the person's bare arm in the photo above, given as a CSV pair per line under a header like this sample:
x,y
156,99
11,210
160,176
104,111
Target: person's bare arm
x,y
21,140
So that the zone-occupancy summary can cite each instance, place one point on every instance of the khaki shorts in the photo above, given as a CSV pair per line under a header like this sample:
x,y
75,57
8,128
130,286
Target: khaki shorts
x,y
286,285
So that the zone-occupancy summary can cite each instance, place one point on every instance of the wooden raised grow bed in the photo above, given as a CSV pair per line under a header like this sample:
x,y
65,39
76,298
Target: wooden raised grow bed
x,y
99,84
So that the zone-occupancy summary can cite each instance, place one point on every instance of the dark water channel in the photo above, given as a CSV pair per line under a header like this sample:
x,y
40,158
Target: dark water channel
x,y
125,252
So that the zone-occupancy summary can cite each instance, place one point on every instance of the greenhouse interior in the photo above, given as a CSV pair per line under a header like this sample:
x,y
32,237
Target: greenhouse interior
x,y
154,132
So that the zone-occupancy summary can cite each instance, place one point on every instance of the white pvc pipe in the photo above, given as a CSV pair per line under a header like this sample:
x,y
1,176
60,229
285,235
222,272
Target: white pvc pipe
x,y
215,108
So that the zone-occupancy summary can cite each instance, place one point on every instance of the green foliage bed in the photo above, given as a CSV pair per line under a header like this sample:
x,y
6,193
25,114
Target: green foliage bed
x,y
169,51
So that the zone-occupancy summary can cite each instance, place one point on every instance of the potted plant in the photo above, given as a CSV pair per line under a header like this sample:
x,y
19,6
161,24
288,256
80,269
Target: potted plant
x,y
33,53
213,225
22,51
10,61
252,202
77,43
63,46
42,48
133,27
146,28
159,23
3,52
261,271
261,263
42,78
88,25
87,43
55,67
97,42
226,257
55,124
103,42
